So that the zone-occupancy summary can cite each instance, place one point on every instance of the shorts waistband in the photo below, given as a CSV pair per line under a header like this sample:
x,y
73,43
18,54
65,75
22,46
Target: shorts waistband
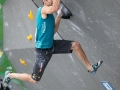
x,y
43,48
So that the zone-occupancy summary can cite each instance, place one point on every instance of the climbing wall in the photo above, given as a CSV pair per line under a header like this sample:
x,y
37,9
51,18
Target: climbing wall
x,y
95,24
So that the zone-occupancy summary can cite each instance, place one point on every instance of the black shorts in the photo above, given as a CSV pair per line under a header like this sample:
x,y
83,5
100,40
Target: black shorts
x,y
43,56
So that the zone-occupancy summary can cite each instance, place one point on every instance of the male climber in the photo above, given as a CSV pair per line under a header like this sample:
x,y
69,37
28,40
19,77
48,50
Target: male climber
x,y
46,46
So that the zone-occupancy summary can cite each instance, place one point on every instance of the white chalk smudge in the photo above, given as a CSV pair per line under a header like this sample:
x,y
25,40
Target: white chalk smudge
x,y
28,60
75,73
6,49
10,54
6,24
72,58
82,14
93,43
83,84
89,27
76,28
90,20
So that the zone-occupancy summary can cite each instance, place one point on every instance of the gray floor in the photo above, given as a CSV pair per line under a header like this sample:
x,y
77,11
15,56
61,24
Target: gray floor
x,y
95,24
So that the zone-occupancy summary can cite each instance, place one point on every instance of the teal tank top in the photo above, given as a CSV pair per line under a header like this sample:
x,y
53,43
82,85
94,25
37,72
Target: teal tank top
x,y
44,30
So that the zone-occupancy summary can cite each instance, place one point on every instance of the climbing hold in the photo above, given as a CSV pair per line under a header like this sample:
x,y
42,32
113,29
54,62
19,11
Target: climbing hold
x,y
29,37
9,68
1,53
66,12
23,62
30,15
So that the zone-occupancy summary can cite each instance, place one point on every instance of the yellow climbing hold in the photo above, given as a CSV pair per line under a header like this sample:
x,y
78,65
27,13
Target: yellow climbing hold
x,y
1,53
23,62
30,15
30,37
